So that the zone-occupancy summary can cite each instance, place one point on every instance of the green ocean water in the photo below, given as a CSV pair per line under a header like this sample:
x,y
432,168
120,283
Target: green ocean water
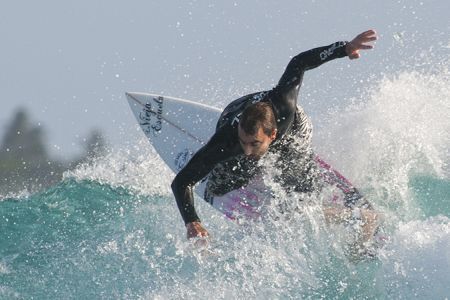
x,y
83,240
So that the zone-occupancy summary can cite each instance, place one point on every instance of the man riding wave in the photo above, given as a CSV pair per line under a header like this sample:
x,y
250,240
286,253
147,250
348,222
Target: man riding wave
x,y
262,122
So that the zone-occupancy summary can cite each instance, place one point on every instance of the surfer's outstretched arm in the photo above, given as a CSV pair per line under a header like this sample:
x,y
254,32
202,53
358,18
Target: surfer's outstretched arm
x,y
313,58
284,96
292,77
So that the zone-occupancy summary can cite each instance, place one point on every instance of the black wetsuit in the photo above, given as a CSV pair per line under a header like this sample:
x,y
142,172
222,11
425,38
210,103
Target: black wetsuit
x,y
223,156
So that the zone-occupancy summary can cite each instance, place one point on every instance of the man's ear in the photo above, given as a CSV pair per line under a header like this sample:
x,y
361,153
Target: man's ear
x,y
274,134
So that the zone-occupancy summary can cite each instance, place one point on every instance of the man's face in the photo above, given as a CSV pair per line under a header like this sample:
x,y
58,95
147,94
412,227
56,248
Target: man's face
x,y
255,145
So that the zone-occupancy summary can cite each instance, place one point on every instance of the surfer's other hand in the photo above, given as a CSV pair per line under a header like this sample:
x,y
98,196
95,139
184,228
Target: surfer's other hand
x,y
195,229
360,42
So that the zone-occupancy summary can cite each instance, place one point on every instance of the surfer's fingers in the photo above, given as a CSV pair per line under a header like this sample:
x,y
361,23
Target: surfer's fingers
x,y
369,32
362,46
365,37
369,38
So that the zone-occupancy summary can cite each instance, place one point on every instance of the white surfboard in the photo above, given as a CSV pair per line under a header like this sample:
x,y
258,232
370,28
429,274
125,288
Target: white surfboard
x,y
177,128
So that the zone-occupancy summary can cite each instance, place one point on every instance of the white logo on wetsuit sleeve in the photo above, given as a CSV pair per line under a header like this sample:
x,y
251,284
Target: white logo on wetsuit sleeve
x,y
328,52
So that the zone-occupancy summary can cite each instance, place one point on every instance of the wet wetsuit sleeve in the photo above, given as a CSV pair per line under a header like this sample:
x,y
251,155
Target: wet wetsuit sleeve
x,y
307,60
196,169
284,96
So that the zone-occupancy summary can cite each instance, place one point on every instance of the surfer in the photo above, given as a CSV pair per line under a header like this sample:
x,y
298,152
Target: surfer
x,y
269,121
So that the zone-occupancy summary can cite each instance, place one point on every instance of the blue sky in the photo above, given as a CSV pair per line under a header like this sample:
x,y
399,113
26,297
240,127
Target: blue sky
x,y
69,63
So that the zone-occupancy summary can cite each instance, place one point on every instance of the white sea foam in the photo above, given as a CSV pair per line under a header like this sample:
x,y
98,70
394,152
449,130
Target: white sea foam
x,y
24,194
399,129
416,263
138,168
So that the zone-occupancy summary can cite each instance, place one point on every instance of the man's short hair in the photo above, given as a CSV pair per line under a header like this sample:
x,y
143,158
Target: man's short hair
x,y
258,115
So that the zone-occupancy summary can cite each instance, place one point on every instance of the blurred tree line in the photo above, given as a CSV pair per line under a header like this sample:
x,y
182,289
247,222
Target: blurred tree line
x,y
25,163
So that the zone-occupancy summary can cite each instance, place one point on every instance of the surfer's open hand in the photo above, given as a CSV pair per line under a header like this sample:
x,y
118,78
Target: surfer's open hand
x,y
195,229
360,42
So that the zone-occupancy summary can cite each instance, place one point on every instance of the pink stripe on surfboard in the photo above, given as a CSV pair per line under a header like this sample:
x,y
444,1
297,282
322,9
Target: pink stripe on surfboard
x,y
342,182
